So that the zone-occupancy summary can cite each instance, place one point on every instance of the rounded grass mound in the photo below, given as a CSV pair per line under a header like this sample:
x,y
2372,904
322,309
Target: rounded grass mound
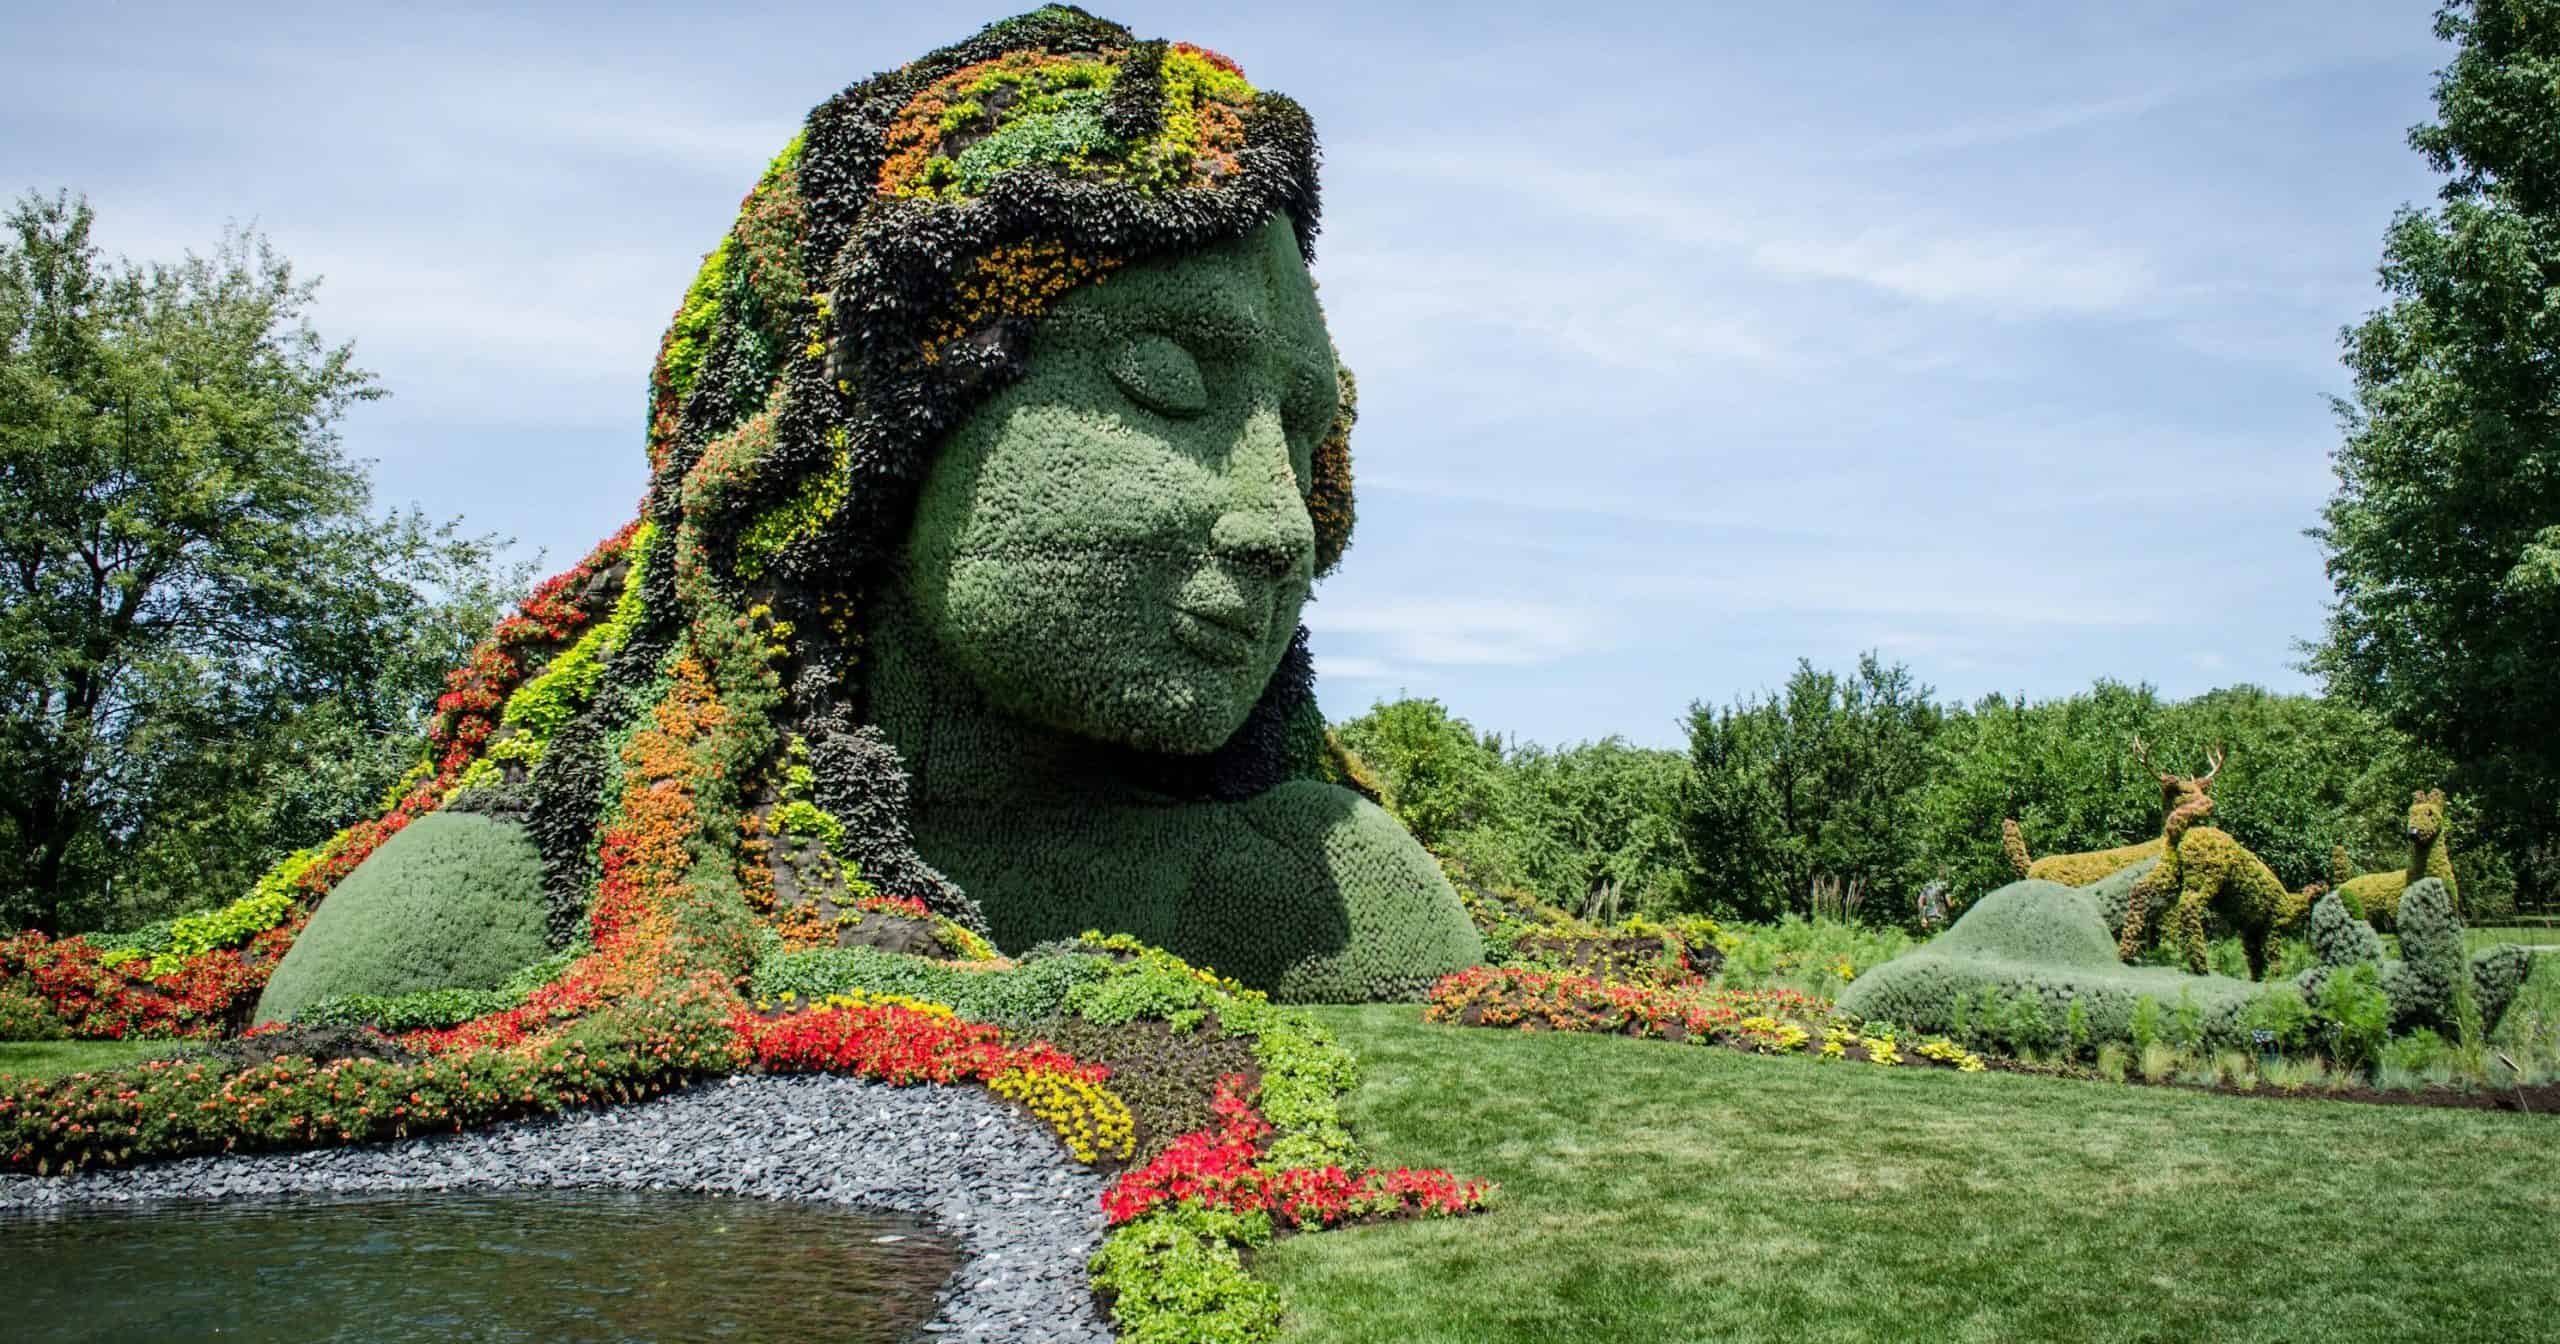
x,y
453,901
2036,948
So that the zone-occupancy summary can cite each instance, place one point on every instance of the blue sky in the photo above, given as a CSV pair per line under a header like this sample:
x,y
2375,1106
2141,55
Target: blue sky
x,y
1997,338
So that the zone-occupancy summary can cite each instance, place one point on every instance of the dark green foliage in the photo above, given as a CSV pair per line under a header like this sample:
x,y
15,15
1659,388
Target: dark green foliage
x,y
2440,538
1822,780
320,1043
27,1017
1008,998
2355,1015
452,901
1441,777
577,770
2283,1014
1167,1077
1593,828
214,647
422,1009
859,780
2304,775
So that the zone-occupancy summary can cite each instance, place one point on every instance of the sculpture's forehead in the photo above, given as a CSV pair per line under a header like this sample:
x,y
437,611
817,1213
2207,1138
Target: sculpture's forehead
x,y
1250,294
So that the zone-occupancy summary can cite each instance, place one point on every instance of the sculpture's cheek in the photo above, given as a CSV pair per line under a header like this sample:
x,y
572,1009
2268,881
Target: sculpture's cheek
x,y
1094,640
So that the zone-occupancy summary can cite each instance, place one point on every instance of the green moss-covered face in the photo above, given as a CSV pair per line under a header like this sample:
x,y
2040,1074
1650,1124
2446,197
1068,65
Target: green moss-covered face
x,y
1117,546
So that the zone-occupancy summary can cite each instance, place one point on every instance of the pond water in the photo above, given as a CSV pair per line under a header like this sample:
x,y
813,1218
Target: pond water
x,y
532,1265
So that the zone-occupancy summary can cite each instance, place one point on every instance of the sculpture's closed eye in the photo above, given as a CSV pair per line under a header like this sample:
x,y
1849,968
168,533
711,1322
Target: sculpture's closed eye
x,y
1157,373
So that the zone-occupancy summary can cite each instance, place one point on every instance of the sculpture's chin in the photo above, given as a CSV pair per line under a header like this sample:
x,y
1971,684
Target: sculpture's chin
x,y
1167,713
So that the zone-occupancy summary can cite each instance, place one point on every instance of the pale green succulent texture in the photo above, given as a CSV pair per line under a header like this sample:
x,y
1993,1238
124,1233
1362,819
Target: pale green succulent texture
x,y
1113,553
454,901
2049,940
1101,559
2056,942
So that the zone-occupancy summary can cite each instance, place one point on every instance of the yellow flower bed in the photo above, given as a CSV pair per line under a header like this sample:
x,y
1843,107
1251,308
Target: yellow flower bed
x,y
1948,1052
1093,1123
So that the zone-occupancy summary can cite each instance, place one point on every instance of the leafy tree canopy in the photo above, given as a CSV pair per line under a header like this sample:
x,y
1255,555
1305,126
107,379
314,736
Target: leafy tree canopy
x,y
211,648
2443,538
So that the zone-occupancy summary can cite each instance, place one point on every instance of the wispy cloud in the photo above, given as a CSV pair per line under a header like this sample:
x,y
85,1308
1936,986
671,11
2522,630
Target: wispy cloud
x,y
1461,632
2024,274
1334,667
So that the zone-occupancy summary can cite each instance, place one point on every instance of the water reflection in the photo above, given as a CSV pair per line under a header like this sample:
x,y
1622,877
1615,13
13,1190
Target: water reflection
x,y
531,1265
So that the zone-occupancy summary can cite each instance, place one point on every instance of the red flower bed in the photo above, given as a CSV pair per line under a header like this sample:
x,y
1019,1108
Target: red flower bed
x,y
1215,1168
204,996
170,1108
1509,996
894,1044
475,692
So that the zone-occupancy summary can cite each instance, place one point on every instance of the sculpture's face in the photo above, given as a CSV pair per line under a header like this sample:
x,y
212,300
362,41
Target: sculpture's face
x,y
2426,815
1118,545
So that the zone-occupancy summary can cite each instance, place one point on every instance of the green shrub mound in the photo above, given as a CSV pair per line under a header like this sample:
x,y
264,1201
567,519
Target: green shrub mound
x,y
2497,974
436,1008
2033,921
2431,959
1007,998
2049,945
2114,894
454,901
2050,942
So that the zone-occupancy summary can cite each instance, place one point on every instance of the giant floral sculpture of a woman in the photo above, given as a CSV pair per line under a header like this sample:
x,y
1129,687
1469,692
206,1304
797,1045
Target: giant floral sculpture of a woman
x,y
994,454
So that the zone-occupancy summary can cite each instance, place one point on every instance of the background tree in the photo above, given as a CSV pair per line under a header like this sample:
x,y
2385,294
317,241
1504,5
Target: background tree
x,y
210,647
2443,538
1441,777
1595,828
1820,780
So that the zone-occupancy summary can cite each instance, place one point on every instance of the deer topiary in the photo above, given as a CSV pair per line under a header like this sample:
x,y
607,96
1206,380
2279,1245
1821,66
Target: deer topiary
x,y
2207,870
2079,870
2377,895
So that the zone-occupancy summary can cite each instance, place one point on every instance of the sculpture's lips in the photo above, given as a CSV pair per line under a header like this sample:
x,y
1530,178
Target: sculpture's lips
x,y
1216,641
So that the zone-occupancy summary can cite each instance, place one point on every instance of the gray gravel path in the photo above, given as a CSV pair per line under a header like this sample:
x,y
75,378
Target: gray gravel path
x,y
994,1181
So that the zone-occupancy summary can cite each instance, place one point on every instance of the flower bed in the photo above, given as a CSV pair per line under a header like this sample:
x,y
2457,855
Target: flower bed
x,y
97,994
1764,1021
1219,1168
1511,996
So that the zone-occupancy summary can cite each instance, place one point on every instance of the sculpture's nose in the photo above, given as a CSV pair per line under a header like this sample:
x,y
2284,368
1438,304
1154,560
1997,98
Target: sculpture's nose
x,y
1262,526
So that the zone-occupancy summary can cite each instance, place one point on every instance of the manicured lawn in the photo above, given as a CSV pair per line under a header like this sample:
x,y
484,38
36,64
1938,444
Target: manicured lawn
x,y
1656,1192
52,1059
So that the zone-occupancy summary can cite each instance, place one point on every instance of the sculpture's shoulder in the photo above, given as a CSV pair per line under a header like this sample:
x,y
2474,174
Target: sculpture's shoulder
x,y
1379,919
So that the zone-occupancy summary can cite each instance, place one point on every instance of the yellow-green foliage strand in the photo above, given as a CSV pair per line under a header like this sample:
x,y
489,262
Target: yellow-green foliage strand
x,y
540,706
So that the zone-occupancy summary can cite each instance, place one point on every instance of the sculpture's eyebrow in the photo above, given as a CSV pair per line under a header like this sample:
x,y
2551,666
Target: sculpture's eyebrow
x,y
1218,327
